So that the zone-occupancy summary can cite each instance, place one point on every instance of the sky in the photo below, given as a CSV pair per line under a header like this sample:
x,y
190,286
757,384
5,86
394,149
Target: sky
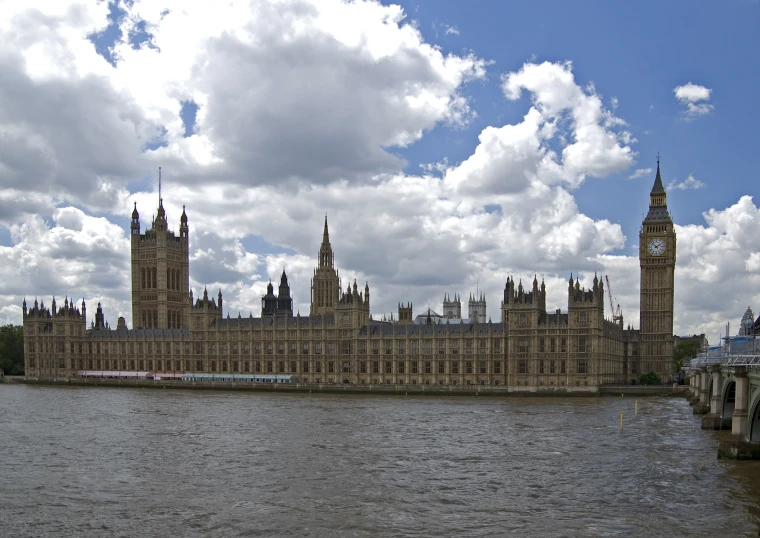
x,y
450,144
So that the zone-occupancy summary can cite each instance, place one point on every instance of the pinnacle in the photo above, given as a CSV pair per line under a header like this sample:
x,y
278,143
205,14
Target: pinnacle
x,y
658,188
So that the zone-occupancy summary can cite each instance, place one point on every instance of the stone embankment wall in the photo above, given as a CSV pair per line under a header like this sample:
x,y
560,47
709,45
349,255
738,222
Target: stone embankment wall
x,y
441,390
460,390
643,390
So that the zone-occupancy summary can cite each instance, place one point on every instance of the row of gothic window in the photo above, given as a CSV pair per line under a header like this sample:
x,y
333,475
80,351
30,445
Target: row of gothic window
x,y
150,318
149,280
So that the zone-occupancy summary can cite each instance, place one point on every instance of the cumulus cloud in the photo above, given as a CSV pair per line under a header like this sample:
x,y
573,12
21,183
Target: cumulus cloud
x,y
301,107
641,172
75,255
686,184
598,145
286,91
716,275
695,98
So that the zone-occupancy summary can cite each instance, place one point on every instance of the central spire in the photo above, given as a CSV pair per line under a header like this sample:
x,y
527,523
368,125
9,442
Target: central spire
x,y
325,250
161,213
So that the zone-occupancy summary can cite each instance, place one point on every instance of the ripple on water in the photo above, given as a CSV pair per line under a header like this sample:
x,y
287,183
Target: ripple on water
x,y
100,462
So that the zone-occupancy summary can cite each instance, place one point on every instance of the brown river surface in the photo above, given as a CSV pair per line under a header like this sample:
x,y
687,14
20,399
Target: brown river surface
x,y
142,462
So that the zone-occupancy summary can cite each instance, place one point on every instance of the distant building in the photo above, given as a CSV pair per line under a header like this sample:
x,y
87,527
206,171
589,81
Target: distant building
x,y
452,309
746,325
476,308
701,338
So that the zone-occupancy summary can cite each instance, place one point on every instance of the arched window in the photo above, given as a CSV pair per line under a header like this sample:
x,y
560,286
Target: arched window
x,y
144,321
142,275
155,317
155,285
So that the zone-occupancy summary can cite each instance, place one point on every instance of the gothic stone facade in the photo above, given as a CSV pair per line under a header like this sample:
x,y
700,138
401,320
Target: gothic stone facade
x,y
339,342
657,259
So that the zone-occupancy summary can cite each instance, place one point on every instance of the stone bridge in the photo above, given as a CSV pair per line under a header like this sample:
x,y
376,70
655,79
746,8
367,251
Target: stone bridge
x,y
727,392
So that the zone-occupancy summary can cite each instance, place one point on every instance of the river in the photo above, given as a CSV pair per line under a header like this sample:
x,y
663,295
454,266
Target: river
x,y
146,462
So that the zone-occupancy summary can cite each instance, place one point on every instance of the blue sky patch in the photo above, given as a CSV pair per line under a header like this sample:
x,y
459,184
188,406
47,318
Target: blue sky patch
x,y
188,114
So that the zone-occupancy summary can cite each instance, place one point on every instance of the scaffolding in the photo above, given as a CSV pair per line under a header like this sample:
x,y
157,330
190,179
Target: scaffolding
x,y
734,351
742,360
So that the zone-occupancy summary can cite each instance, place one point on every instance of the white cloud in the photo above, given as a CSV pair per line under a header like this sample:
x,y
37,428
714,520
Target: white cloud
x,y
301,108
715,276
641,172
451,30
686,184
695,98
75,255
692,93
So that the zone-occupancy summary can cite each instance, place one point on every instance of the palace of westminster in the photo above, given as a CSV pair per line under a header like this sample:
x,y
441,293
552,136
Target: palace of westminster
x,y
530,349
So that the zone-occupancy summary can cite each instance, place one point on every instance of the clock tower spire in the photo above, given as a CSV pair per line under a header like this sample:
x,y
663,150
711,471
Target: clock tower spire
x,y
657,260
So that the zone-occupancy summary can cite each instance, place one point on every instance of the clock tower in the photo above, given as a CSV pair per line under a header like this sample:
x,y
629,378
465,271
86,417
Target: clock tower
x,y
657,259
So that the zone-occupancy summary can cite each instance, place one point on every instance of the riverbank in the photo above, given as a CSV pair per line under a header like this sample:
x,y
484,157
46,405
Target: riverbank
x,y
417,390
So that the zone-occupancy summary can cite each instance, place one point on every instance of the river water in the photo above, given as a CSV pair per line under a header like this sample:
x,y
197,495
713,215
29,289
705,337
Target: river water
x,y
142,462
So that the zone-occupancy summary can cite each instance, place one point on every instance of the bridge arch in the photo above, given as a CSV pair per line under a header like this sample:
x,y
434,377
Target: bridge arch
x,y
753,419
729,399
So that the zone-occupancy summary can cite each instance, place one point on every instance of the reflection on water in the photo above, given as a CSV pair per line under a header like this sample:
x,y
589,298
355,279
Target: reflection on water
x,y
110,462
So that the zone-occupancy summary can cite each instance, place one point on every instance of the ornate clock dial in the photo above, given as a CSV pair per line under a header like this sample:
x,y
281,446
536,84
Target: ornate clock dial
x,y
656,246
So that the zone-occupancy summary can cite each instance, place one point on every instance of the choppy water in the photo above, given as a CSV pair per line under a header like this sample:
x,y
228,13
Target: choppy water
x,y
111,462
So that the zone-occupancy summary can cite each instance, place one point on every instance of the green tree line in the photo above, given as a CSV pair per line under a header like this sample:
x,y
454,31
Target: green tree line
x,y
684,351
12,349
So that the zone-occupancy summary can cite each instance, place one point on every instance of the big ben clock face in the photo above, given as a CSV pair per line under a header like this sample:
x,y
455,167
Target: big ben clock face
x,y
656,246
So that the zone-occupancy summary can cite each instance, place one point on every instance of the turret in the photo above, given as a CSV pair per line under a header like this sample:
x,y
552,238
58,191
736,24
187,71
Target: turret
x,y
219,296
405,314
183,229
100,322
284,290
135,223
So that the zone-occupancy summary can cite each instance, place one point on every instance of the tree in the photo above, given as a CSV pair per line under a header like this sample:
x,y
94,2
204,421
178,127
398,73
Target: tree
x,y
12,349
649,378
685,350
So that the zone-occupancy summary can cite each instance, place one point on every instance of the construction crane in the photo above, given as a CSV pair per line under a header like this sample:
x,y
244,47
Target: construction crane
x,y
616,314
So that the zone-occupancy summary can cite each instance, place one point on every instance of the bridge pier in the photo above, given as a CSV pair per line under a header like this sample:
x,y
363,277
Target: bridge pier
x,y
740,447
739,425
696,382
702,405
713,420
693,381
